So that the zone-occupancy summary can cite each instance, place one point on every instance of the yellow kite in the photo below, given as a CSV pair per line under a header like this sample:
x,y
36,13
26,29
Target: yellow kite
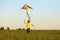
x,y
26,7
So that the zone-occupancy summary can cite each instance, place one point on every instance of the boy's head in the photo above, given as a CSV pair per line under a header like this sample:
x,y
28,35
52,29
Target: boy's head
x,y
28,21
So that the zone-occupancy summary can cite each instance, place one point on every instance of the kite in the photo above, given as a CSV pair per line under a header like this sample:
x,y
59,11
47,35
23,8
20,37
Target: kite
x,y
26,7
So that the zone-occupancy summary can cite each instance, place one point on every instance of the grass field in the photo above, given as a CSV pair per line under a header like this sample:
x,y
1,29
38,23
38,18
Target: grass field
x,y
33,35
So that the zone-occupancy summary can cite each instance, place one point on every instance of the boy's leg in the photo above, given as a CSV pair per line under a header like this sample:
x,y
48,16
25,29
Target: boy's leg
x,y
28,30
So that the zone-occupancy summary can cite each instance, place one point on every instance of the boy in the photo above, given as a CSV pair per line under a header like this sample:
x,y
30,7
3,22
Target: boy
x,y
27,23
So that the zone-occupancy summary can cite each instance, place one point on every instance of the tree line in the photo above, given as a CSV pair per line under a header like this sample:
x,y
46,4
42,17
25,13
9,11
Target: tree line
x,y
2,28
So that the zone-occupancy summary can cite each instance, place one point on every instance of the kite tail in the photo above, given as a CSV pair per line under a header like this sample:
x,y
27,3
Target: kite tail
x,y
28,15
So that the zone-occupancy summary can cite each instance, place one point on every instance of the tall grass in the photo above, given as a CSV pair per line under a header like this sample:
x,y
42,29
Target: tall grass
x,y
33,35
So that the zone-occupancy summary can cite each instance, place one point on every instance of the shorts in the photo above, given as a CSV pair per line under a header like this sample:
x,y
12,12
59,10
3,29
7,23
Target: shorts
x,y
28,30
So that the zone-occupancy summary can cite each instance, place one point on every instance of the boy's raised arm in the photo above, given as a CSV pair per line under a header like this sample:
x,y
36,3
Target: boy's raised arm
x,y
25,21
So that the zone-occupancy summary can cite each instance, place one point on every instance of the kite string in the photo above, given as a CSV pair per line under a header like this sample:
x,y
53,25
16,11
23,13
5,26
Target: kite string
x,y
28,15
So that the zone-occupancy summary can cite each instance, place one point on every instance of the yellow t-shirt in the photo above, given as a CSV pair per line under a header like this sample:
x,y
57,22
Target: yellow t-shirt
x,y
28,25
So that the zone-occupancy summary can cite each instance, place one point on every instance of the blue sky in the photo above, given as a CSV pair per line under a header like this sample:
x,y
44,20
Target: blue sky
x,y
44,15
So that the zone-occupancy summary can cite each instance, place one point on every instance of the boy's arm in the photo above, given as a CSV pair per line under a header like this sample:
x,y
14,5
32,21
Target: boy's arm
x,y
25,21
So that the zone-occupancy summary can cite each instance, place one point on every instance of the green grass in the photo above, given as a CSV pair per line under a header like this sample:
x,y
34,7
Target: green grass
x,y
33,35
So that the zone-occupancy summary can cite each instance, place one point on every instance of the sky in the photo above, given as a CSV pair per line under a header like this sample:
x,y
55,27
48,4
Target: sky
x,y
44,15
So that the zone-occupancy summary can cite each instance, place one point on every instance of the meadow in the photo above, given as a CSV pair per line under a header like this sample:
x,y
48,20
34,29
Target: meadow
x,y
33,35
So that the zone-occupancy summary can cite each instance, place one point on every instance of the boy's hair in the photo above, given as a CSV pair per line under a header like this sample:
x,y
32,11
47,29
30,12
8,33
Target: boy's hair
x,y
28,21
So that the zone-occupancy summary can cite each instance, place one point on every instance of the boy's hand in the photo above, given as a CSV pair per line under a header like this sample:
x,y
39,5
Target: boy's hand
x,y
25,21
